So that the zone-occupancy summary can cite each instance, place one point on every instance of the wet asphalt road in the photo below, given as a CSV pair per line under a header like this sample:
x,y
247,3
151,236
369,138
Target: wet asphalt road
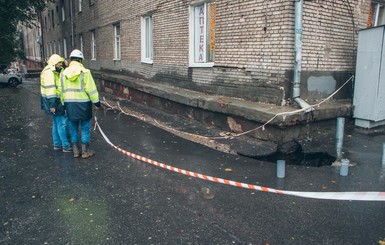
x,y
48,197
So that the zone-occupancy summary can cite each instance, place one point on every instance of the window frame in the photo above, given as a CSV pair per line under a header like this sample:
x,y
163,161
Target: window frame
x,y
93,45
117,42
80,6
378,9
59,47
147,45
209,34
65,48
53,18
63,14
50,49
81,42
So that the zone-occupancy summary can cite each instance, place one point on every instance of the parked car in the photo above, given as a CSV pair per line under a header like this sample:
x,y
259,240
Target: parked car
x,y
10,78
12,71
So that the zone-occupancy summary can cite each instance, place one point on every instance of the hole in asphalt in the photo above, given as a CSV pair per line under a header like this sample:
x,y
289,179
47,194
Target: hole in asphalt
x,y
293,154
314,159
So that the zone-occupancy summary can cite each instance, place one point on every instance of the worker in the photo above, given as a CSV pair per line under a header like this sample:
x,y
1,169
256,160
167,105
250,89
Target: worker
x,y
51,104
79,93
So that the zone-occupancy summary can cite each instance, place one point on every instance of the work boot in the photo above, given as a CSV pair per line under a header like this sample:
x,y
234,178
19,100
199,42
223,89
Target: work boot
x,y
75,149
87,152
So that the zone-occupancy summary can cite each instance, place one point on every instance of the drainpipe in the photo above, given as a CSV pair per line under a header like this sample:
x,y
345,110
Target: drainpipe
x,y
72,25
298,57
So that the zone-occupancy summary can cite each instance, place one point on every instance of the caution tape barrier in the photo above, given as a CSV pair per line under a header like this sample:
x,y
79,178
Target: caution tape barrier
x,y
354,196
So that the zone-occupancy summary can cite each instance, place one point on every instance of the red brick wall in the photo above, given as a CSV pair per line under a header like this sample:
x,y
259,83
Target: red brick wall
x,y
254,55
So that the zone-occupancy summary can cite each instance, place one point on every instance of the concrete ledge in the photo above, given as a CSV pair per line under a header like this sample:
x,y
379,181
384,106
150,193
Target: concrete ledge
x,y
216,110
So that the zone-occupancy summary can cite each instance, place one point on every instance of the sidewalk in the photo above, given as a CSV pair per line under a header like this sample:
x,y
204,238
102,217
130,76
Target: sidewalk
x,y
361,146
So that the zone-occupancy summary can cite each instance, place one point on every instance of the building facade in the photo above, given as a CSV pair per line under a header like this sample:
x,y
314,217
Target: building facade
x,y
243,49
239,48
32,46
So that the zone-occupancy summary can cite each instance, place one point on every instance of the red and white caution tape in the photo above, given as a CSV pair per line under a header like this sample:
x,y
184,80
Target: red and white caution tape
x,y
356,196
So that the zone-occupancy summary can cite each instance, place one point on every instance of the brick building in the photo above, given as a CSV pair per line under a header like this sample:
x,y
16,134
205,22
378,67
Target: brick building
x,y
230,49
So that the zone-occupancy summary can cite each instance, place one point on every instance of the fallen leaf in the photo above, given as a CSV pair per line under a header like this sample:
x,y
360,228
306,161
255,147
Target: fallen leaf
x,y
207,193
228,170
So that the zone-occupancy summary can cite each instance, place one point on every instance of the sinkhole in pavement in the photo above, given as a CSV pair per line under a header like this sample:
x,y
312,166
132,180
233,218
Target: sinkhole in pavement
x,y
314,159
293,154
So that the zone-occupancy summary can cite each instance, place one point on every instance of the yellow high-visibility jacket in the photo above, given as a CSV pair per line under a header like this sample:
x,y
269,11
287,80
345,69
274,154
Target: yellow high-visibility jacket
x,y
78,91
49,82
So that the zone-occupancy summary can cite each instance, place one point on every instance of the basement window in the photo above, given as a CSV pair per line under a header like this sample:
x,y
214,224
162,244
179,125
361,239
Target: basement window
x,y
202,35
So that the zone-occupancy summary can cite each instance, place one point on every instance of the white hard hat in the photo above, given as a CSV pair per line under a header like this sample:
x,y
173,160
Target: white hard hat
x,y
76,53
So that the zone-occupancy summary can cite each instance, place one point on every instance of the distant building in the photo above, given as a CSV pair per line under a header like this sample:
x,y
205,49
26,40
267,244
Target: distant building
x,y
32,45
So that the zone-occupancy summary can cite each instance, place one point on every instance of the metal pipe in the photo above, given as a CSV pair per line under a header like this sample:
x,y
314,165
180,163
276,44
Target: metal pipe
x,y
383,154
296,93
340,136
344,170
72,25
297,47
280,168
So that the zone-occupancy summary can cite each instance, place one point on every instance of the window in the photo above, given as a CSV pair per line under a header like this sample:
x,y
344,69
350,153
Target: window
x,y
65,48
378,14
147,49
117,42
53,18
59,48
81,42
93,46
54,47
80,5
50,49
202,35
63,14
